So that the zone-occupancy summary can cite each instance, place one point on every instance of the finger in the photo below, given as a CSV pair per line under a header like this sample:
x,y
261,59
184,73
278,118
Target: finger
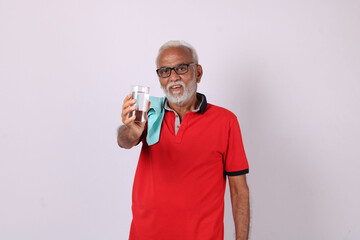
x,y
128,103
125,112
127,122
127,98
128,108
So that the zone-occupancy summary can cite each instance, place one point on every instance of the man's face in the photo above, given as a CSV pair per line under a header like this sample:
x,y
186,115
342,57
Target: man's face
x,y
179,89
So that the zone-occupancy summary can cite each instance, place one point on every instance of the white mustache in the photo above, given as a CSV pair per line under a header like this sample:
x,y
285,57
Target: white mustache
x,y
175,83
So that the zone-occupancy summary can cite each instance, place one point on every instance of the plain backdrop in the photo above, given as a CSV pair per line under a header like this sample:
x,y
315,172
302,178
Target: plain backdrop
x,y
289,70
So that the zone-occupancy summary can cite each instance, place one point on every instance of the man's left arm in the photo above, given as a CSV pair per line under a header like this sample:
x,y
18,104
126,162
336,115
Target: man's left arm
x,y
239,192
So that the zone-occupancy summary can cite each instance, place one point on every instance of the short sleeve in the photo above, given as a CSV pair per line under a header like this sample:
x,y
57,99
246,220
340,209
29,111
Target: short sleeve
x,y
235,158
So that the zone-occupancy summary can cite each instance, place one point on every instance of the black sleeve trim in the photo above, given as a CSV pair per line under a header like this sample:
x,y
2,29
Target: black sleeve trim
x,y
141,137
242,172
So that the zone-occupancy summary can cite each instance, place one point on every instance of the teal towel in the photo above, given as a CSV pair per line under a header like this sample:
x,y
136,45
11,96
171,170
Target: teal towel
x,y
155,117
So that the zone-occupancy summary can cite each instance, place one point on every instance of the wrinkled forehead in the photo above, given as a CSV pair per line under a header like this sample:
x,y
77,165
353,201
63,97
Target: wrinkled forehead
x,y
173,56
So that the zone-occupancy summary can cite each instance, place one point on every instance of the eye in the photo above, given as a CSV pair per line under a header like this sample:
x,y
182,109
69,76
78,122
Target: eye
x,y
181,68
163,70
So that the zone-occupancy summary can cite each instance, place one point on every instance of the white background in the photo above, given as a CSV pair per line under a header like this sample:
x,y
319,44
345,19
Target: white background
x,y
289,70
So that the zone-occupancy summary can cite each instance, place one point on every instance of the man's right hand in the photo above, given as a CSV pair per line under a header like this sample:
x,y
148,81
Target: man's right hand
x,y
129,134
128,106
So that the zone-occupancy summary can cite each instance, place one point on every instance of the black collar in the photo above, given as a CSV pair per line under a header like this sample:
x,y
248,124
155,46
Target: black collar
x,y
203,103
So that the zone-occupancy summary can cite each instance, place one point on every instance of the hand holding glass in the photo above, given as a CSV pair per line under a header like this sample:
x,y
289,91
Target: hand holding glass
x,y
141,94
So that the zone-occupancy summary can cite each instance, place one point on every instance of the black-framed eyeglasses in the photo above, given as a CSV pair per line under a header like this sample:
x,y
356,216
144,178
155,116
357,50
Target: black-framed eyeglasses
x,y
179,69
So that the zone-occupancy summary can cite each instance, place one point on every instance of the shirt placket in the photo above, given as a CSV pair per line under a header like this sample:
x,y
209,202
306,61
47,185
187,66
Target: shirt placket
x,y
177,123
177,118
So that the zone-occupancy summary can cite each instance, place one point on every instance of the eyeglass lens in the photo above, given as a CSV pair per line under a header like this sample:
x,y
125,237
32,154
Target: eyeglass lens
x,y
166,71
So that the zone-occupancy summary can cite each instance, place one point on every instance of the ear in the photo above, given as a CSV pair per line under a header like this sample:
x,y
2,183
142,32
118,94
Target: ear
x,y
198,73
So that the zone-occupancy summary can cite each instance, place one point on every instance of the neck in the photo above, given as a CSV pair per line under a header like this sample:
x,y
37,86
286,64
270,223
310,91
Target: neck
x,y
191,105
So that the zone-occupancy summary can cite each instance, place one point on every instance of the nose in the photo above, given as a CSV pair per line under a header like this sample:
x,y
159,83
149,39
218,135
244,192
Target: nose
x,y
173,76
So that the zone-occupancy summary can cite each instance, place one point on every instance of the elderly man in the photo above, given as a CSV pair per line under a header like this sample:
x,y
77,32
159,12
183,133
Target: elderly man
x,y
179,185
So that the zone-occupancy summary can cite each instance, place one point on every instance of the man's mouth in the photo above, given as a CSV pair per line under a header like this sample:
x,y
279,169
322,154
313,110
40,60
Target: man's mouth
x,y
175,87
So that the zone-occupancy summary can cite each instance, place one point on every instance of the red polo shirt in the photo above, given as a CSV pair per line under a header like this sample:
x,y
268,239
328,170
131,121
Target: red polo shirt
x,y
179,186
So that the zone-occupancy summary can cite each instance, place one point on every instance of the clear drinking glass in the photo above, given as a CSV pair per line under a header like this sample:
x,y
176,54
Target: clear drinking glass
x,y
141,94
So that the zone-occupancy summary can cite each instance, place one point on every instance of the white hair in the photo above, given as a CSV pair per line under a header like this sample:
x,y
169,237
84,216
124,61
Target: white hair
x,y
179,43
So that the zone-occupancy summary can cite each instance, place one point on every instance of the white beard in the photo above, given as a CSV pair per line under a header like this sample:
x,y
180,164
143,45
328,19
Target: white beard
x,y
178,99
